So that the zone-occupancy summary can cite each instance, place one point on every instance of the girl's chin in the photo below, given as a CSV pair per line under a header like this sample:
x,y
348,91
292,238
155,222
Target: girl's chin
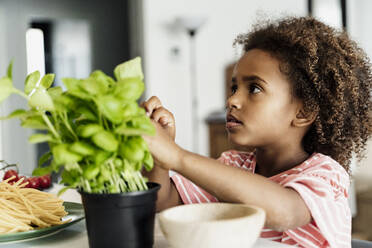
x,y
236,140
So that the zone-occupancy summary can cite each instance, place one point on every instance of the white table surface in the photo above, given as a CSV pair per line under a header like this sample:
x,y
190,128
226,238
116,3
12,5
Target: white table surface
x,y
76,235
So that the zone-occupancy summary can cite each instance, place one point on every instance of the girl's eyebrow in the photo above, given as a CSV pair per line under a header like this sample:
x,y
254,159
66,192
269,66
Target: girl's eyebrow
x,y
249,78
253,78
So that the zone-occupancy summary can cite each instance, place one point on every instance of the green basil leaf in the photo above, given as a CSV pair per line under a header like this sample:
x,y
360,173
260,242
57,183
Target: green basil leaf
x,y
118,163
94,87
130,109
105,140
132,150
65,102
129,69
88,130
18,113
82,148
64,189
102,77
44,158
10,70
55,91
74,168
138,125
34,122
144,123
47,81
6,87
128,131
40,99
91,171
39,138
73,88
63,156
31,81
140,142
41,171
86,113
111,108
70,178
148,161
71,84
129,89
100,157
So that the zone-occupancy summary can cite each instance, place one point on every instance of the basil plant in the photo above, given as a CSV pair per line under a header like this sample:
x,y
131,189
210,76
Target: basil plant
x,y
94,128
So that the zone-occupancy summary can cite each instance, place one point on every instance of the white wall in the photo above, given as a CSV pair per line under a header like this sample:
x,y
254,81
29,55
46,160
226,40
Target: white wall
x,y
359,26
2,68
168,76
15,148
359,23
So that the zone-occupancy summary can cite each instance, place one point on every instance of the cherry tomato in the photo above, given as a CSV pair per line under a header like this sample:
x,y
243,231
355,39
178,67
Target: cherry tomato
x,y
45,181
34,182
25,180
9,174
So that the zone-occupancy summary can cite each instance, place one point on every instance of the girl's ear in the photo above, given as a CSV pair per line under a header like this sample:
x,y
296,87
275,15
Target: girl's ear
x,y
304,118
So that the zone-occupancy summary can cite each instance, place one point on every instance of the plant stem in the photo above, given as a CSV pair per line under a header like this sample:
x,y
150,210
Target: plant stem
x,y
51,127
105,124
115,179
142,180
55,119
21,94
65,121
88,186
139,180
123,185
99,113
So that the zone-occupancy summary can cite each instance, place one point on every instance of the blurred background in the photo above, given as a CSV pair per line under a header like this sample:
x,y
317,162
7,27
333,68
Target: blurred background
x,y
187,53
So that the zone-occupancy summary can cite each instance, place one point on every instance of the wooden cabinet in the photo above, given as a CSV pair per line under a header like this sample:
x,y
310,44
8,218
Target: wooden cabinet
x,y
218,137
361,226
218,141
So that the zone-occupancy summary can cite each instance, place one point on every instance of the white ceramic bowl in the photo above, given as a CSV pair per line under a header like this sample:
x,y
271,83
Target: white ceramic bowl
x,y
207,225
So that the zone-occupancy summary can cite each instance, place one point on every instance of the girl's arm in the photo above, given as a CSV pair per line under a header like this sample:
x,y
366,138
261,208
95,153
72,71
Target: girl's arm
x,y
167,195
284,207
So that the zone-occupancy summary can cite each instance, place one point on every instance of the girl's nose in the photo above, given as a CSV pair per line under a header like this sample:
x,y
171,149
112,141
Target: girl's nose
x,y
233,102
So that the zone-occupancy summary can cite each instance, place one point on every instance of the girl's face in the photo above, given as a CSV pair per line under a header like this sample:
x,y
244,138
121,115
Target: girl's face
x,y
261,106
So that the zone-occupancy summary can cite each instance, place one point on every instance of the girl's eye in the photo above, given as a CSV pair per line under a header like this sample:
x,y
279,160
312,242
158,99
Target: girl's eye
x,y
254,89
234,88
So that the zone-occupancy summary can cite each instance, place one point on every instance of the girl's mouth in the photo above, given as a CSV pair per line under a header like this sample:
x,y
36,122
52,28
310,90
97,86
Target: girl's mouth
x,y
232,122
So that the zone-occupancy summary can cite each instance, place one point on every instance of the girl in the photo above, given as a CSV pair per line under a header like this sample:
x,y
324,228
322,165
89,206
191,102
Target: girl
x,y
301,97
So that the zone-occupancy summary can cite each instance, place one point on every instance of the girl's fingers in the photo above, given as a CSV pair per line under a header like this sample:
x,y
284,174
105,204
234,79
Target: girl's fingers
x,y
151,104
163,116
160,115
164,121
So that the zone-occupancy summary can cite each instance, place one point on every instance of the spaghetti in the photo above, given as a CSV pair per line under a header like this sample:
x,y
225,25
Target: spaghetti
x,y
23,209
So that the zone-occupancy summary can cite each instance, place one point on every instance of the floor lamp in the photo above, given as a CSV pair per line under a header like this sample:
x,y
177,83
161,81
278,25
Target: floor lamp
x,y
192,25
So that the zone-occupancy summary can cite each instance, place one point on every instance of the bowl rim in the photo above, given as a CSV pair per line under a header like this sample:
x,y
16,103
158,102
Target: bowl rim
x,y
258,212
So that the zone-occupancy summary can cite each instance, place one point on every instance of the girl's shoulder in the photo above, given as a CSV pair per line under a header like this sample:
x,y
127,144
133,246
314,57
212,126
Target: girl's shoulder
x,y
319,162
318,169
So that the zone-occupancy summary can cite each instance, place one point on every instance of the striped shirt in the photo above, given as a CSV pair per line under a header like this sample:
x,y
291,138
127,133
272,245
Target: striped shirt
x,y
321,182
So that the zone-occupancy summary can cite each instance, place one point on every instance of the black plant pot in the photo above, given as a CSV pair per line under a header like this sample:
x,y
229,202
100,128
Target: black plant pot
x,y
123,220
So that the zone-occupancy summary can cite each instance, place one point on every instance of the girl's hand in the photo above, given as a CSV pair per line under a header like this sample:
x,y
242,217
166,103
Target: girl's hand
x,y
162,146
165,152
159,114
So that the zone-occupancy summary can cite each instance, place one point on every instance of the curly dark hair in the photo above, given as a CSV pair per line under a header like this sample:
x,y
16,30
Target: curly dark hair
x,y
330,73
